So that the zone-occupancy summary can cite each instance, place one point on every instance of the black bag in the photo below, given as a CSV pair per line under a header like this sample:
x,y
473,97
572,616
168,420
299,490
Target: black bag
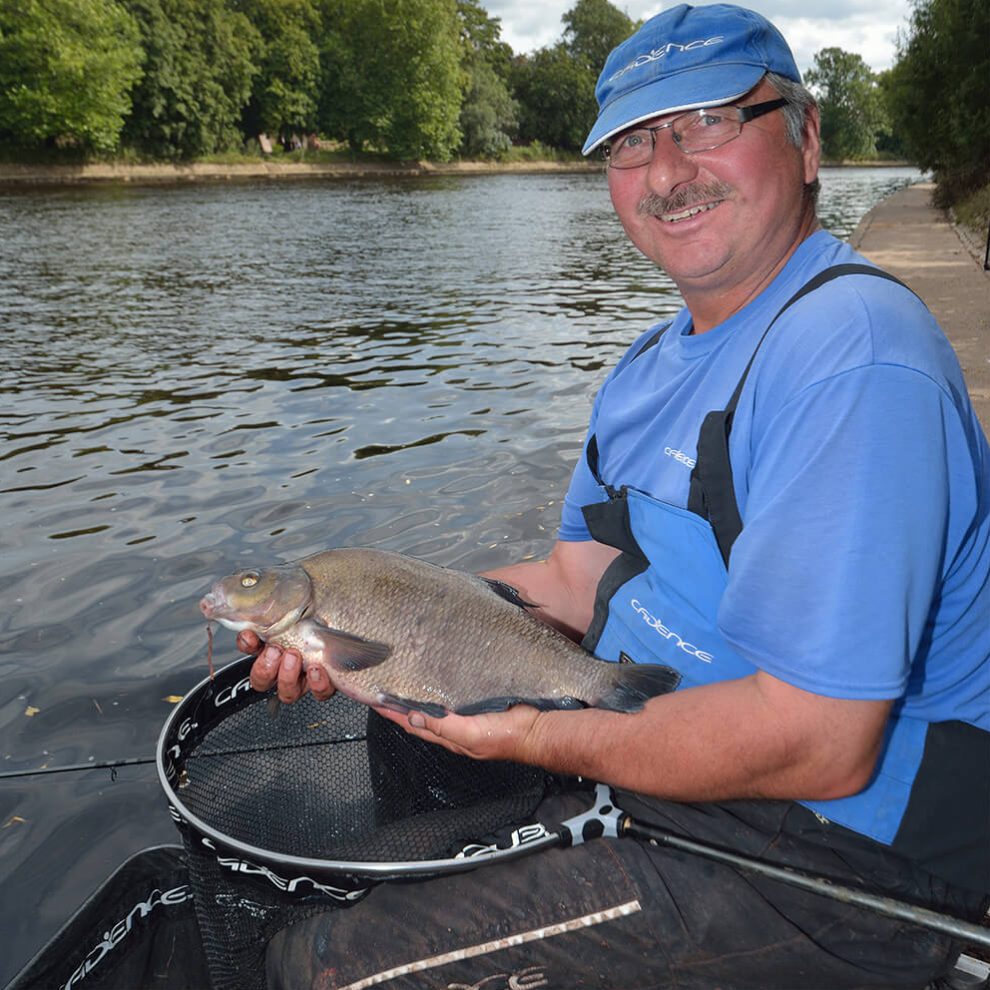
x,y
138,931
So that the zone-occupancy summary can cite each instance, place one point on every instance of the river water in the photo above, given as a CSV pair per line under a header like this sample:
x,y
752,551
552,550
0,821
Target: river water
x,y
197,377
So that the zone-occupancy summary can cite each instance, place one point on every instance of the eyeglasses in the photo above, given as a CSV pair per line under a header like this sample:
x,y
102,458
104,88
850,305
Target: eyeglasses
x,y
694,131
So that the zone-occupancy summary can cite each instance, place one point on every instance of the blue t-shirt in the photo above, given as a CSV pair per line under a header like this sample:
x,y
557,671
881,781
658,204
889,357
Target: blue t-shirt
x,y
862,477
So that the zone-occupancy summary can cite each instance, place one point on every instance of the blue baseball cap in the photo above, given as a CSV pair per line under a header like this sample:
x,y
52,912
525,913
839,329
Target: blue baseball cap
x,y
684,58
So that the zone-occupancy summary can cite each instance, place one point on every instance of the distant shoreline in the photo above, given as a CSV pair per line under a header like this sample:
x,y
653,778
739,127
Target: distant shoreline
x,y
214,172
165,173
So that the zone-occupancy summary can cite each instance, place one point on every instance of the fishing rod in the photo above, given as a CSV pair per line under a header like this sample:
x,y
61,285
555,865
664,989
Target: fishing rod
x,y
111,765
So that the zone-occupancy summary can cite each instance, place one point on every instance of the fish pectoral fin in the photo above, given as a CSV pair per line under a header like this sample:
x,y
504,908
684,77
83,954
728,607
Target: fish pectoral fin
x,y
403,705
500,704
348,652
509,593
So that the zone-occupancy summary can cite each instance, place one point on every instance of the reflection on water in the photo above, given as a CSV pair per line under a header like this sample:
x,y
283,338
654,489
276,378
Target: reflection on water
x,y
197,375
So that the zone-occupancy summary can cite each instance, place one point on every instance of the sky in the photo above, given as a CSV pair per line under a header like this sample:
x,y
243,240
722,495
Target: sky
x,y
868,28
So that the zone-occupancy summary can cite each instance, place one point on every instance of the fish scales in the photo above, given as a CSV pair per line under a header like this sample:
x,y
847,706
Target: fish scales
x,y
396,631
409,602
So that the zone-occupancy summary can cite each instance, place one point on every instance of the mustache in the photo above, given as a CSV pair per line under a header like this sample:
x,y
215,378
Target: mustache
x,y
654,205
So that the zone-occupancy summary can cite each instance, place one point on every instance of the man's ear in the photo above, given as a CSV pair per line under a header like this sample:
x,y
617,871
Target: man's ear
x,y
811,148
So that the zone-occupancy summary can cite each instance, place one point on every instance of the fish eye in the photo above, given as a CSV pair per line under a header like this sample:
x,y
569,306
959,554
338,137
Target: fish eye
x,y
250,579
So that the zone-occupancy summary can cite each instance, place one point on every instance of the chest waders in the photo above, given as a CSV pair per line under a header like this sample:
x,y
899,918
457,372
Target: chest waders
x,y
658,603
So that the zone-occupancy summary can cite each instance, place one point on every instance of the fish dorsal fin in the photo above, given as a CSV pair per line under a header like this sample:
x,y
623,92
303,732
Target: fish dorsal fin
x,y
507,592
348,652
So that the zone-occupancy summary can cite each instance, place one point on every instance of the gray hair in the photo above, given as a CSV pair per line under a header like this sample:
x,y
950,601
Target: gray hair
x,y
799,102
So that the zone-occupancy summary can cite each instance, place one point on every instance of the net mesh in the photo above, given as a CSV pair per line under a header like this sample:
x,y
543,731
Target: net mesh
x,y
329,781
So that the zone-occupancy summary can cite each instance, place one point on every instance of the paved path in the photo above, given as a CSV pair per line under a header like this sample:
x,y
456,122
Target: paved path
x,y
910,239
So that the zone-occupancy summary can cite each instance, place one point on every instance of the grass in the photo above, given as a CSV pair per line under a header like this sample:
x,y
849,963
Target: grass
x,y
328,154
973,211
539,152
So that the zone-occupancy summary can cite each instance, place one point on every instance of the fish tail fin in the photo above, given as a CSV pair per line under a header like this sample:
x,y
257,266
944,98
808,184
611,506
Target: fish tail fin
x,y
632,685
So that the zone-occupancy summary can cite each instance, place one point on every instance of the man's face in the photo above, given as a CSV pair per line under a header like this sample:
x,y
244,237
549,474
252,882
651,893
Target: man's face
x,y
721,220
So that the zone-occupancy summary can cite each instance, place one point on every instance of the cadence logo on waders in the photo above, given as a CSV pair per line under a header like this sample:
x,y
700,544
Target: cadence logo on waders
x,y
654,623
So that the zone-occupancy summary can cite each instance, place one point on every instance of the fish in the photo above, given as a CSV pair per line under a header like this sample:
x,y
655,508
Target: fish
x,y
398,632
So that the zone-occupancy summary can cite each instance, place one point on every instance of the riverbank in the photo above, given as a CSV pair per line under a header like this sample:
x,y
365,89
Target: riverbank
x,y
943,263
164,172
98,172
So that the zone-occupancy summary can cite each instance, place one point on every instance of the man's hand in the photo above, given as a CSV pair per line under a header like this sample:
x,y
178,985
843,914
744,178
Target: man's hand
x,y
492,736
284,668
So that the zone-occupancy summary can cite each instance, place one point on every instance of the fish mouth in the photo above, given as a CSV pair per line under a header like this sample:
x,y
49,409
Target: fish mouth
x,y
209,604
212,606
215,607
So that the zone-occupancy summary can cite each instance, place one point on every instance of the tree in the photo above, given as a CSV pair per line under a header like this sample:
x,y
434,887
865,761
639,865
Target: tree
x,y
66,71
199,63
481,36
890,141
489,115
556,95
936,93
285,92
592,29
555,86
391,76
851,106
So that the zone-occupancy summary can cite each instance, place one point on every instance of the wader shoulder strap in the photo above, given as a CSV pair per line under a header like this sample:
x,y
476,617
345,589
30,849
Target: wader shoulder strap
x,y
591,451
712,494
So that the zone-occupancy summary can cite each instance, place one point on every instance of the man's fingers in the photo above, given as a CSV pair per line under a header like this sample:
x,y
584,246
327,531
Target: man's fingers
x,y
489,736
291,683
265,670
248,641
319,682
283,669
424,727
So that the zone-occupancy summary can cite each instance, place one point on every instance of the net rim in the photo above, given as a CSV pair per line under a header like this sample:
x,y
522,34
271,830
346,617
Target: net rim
x,y
181,726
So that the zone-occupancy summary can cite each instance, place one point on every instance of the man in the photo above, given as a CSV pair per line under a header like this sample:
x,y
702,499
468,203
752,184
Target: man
x,y
785,495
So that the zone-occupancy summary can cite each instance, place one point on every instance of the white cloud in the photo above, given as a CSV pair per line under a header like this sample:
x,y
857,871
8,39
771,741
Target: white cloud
x,y
867,27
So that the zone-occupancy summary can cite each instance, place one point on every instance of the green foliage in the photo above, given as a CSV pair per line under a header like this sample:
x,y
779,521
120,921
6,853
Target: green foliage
x,y
555,86
481,37
556,95
592,29
199,63
537,151
391,76
851,105
890,142
285,91
937,93
180,79
488,114
973,210
66,71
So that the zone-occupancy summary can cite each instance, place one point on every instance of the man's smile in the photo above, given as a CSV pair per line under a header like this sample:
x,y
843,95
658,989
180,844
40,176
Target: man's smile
x,y
691,211
685,203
